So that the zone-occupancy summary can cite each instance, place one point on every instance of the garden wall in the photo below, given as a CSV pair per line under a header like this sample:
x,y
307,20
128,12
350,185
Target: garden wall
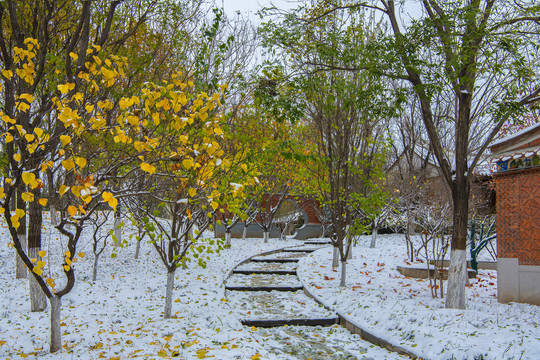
x,y
518,235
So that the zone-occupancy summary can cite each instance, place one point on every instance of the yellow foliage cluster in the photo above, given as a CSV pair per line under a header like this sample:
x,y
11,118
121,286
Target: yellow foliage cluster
x,y
165,130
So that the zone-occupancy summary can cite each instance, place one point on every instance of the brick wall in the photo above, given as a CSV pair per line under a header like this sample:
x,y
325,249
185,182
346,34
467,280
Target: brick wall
x,y
518,215
308,206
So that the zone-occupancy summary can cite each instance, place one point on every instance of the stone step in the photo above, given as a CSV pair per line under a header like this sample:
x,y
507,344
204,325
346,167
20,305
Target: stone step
x,y
293,250
318,242
290,322
283,255
261,271
271,260
272,305
259,280
267,266
264,288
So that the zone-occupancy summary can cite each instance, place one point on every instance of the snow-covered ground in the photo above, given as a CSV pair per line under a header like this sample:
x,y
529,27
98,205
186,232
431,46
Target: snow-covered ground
x,y
120,315
401,310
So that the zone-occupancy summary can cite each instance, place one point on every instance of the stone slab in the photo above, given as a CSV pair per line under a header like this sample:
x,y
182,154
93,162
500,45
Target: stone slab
x,y
291,322
264,288
276,272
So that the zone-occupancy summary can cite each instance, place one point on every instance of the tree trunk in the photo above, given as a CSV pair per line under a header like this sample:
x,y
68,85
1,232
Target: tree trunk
x,y
343,273
244,232
374,233
349,240
227,237
20,272
457,278
54,216
56,333
168,294
117,225
138,246
266,236
194,231
38,300
137,249
52,197
410,247
13,202
457,272
94,269
335,258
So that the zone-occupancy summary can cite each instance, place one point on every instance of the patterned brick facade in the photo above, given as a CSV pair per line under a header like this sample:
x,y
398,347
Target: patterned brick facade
x,y
518,215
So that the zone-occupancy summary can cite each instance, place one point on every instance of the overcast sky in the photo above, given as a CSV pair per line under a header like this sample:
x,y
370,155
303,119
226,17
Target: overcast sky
x,y
411,7
252,6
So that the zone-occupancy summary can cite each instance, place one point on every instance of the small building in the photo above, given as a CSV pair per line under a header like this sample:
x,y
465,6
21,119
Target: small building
x,y
517,183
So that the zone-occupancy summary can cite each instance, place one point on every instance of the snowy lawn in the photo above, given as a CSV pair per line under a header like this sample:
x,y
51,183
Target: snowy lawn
x,y
401,310
120,315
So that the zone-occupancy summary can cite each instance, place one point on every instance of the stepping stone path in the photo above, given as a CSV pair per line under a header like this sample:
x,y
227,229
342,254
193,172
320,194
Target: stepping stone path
x,y
266,293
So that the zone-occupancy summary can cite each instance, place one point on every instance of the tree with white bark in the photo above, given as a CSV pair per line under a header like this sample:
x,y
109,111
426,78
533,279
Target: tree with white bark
x,y
136,204
247,208
480,55
232,195
267,206
378,220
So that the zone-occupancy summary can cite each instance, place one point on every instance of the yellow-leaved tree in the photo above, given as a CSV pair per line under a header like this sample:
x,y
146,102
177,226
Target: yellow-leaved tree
x,y
35,148
181,164
62,113
30,70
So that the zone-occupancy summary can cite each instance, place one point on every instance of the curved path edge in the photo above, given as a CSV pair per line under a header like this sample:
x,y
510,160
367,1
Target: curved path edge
x,y
347,323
